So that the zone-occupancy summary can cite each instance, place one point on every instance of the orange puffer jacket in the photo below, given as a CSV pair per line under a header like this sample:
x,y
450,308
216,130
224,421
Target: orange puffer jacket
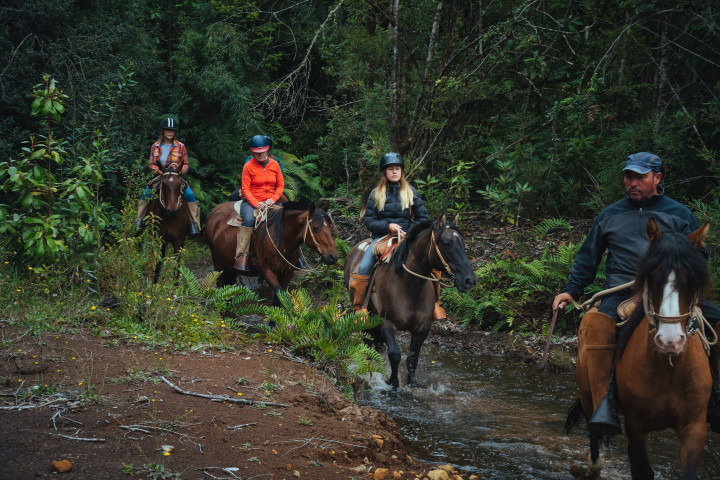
x,y
260,183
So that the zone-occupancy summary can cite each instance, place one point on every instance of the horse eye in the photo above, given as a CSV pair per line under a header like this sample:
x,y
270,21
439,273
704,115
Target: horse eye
x,y
316,229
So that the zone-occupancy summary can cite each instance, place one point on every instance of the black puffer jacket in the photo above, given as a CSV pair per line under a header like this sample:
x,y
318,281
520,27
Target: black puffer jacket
x,y
377,222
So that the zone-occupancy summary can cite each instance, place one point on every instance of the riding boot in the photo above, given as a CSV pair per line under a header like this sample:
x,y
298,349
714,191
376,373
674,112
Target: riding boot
x,y
438,311
241,249
194,227
357,287
595,372
301,264
142,207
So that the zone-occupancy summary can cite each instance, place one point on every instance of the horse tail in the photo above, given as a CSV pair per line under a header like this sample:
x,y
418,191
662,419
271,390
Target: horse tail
x,y
574,415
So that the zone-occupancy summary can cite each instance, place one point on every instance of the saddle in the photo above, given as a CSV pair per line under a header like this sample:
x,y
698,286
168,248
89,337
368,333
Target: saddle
x,y
237,220
382,248
626,308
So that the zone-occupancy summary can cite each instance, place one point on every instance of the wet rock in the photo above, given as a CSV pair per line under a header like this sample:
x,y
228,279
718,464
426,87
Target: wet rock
x,y
438,475
381,474
61,466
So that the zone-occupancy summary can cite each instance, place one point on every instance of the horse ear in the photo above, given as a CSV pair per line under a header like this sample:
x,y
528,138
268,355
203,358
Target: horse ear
x,y
441,221
653,231
456,219
697,238
324,207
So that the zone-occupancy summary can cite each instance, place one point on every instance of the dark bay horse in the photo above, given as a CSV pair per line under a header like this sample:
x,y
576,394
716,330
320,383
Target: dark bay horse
x,y
662,369
403,288
170,208
275,242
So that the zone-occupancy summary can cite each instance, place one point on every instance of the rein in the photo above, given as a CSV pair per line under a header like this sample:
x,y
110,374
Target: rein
x,y
262,217
161,197
444,263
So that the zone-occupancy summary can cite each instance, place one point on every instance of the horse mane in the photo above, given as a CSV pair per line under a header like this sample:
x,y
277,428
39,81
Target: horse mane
x,y
671,252
403,249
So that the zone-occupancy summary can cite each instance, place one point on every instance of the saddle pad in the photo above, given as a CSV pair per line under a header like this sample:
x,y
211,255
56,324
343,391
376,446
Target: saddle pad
x,y
383,246
236,221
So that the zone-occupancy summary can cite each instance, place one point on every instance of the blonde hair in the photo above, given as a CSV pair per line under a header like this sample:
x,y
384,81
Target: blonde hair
x,y
380,193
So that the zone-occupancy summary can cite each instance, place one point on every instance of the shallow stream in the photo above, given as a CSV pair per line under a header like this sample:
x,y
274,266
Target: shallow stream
x,y
504,420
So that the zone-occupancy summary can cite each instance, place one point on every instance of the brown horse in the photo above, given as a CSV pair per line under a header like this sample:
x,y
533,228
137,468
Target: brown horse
x,y
403,290
275,242
171,209
662,370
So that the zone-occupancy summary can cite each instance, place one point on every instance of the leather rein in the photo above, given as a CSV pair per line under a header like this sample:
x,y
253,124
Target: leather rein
x,y
263,217
434,243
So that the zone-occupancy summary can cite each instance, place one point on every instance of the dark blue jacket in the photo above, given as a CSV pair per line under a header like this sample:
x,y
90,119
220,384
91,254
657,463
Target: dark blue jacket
x,y
377,222
620,229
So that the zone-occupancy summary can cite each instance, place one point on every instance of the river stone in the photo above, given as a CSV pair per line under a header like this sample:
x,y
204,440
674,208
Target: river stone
x,y
437,475
381,474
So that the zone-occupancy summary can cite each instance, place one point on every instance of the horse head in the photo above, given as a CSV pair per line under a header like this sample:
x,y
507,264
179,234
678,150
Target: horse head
x,y
319,233
170,191
673,275
449,254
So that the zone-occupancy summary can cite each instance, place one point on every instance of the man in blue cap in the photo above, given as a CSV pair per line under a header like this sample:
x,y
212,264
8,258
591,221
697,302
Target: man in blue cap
x,y
620,230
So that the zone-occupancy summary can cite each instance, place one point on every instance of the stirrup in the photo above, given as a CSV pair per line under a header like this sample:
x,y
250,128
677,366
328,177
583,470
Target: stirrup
x,y
605,420
241,263
193,230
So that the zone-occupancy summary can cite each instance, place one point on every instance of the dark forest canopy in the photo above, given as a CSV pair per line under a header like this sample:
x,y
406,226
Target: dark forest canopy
x,y
520,108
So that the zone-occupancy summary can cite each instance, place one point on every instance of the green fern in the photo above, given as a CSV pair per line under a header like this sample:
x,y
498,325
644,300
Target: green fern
x,y
335,340
543,228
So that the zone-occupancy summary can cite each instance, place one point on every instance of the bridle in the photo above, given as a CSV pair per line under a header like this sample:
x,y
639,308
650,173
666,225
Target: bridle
x,y
434,243
161,197
695,325
308,229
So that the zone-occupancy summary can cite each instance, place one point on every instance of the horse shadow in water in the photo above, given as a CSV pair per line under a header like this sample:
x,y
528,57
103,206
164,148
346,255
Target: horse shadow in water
x,y
402,290
662,370
275,243
171,210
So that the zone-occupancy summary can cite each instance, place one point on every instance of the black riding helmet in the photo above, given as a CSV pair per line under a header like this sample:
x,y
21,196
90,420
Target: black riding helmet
x,y
169,123
391,158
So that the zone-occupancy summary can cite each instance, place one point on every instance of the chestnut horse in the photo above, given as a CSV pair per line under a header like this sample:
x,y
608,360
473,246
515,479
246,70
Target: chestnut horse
x,y
662,369
403,291
171,209
275,243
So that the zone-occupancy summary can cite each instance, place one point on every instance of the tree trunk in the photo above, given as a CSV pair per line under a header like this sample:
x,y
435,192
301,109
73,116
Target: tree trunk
x,y
394,26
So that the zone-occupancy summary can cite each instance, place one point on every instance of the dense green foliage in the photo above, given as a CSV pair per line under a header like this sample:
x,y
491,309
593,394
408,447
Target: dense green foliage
x,y
518,109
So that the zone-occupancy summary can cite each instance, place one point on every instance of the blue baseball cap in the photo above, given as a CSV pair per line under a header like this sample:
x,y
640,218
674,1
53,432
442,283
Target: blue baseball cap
x,y
643,162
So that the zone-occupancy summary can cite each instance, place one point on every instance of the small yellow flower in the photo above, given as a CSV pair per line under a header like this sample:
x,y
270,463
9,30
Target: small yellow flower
x,y
79,383
93,307
167,454
270,350
19,379
152,400
239,393
30,268
168,298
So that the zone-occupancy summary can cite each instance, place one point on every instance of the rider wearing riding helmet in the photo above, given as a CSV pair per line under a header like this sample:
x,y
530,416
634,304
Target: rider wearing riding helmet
x,y
169,152
236,194
262,186
391,208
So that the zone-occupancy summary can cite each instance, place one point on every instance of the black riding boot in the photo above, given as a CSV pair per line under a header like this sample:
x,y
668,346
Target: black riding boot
x,y
605,420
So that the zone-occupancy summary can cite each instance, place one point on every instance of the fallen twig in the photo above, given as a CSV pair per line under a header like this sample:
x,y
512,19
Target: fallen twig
x,y
142,428
29,406
78,438
220,398
224,469
309,440
241,426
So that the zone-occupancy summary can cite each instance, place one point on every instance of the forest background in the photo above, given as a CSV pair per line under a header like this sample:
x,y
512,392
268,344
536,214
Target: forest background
x,y
521,112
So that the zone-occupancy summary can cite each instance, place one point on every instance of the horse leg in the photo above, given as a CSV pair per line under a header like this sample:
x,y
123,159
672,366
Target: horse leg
x,y
394,355
416,343
594,463
640,468
692,446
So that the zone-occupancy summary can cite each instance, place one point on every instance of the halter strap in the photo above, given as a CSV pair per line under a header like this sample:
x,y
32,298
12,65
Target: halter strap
x,y
263,215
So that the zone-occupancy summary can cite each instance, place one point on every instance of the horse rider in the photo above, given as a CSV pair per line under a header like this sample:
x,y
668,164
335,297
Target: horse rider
x,y
620,230
167,151
236,194
262,186
391,208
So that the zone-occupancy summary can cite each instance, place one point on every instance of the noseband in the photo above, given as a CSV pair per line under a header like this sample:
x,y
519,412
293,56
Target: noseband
x,y
161,197
695,325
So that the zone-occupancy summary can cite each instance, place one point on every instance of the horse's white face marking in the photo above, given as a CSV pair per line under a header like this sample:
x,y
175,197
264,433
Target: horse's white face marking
x,y
455,234
325,223
670,337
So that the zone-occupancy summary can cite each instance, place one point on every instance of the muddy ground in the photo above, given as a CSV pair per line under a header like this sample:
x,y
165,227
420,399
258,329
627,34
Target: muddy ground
x,y
117,410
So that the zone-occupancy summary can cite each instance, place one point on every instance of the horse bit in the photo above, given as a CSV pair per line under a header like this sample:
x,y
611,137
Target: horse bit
x,y
442,260
161,197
